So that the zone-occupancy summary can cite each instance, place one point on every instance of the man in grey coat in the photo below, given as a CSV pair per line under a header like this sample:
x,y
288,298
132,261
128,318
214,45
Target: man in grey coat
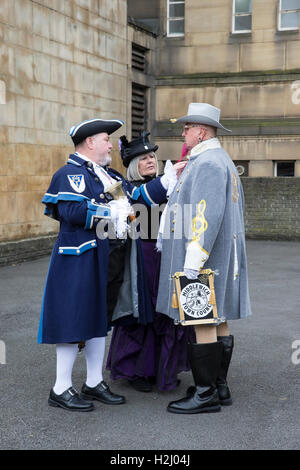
x,y
204,228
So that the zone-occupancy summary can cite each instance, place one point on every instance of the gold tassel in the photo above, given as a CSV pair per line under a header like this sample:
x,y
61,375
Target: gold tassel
x,y
174,298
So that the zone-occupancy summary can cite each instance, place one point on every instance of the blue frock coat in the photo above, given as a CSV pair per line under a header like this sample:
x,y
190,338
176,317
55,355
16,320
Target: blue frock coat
x,y
74,304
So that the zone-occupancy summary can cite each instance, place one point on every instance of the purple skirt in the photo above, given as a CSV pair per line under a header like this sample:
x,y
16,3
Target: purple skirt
x,y
157,350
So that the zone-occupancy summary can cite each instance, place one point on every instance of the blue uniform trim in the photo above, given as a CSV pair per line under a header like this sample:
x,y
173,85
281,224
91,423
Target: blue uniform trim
x,y
154,191
135,193
40,331
62,196
146,196
73,162
96,211
77,250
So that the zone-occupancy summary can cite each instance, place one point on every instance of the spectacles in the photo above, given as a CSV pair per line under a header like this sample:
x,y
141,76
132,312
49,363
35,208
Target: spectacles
x,y
186,128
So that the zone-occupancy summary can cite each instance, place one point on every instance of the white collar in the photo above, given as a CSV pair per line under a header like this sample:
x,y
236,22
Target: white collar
x,y
87,159
209,144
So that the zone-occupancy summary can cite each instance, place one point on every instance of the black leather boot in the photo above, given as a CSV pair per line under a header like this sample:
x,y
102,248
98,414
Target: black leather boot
x,y
222,386
205,360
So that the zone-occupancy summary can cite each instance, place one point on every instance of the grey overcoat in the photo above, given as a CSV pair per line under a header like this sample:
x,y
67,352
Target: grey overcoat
x,y
204,227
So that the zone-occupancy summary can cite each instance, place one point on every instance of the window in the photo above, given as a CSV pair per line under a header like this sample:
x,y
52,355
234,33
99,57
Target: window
x,y
284,168
175,18
138,58
138,110
288,15
242,16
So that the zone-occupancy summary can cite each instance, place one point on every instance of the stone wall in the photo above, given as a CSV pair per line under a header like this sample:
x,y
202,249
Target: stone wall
x,y
61,61
15,252
272,208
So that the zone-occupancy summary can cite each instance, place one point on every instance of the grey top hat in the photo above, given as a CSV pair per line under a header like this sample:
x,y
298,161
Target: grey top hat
x,y
203,113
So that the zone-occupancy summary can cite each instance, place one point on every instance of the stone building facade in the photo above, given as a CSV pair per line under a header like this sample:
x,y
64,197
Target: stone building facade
x,y
60,62
65,61
253,75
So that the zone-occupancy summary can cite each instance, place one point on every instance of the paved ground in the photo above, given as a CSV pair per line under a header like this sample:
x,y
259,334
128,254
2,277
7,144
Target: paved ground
x,y
264,380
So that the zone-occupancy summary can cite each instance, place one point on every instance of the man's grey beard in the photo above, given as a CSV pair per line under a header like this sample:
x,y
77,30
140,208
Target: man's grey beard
x,y
106,160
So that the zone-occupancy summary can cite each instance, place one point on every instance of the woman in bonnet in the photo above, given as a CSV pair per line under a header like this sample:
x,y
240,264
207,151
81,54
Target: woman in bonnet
x,y
154,353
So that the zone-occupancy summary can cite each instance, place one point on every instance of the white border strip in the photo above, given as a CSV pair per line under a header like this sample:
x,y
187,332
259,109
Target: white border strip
x,y
74,129
76,247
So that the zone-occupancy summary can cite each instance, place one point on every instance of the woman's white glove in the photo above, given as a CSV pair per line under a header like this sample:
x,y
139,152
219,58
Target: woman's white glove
x,y
191,273
120,210
169,178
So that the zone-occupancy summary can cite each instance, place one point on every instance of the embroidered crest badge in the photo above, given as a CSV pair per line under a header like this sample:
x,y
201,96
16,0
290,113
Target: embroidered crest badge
x,y
77,182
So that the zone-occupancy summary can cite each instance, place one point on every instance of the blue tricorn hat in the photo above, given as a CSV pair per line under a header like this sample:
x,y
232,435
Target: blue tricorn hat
x,y
135,148
85,129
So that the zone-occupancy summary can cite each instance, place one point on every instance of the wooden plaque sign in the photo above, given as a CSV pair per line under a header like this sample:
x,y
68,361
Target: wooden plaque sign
x,y
195,298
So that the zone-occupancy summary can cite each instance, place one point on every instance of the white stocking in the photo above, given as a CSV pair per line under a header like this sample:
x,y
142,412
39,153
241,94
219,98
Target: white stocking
x,y
65,358
94,353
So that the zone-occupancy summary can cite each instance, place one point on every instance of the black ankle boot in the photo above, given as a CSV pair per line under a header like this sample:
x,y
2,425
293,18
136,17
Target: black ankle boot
x,y
205,360
222,386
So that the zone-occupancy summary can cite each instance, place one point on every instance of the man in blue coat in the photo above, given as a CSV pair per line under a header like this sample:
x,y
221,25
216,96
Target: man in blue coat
x,y
86,271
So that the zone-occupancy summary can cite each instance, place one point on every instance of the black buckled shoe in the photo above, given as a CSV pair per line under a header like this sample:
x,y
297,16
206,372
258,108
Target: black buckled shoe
x,y
101,393
69,400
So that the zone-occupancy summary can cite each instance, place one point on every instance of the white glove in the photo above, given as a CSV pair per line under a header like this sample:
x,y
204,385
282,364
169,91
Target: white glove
x,y
191,273
124,210
120,210
169,178
113,211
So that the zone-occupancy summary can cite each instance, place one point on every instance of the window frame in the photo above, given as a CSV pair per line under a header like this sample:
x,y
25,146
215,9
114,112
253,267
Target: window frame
x,y
280,11
275,172
234,14
172,2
